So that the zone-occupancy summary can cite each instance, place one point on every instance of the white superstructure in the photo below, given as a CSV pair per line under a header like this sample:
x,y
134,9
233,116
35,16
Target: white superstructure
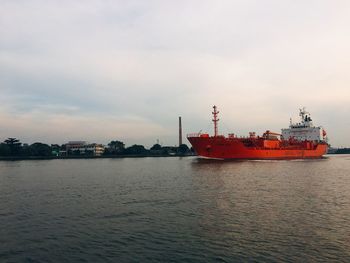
x,y
304,130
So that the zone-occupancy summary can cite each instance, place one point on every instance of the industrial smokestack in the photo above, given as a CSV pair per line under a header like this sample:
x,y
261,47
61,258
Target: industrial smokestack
x,y
180,131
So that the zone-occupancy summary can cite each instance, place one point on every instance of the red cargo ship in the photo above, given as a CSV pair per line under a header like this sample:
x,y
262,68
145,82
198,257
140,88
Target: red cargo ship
x,y
300,141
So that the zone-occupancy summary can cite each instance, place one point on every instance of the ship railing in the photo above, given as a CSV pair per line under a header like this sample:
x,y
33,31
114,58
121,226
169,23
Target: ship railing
x,y
198,134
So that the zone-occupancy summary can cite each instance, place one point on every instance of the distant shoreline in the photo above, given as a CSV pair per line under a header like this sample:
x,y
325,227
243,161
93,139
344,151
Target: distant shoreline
x,y
28,158
25,158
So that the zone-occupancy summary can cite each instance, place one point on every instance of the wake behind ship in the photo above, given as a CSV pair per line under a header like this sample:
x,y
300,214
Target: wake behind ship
x,y
300,141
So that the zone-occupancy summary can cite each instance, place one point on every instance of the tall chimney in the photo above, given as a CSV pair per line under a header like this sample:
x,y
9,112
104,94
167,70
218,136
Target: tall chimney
x,y
180,131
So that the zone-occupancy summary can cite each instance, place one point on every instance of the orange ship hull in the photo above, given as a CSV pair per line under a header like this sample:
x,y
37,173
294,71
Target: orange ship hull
x,y
220,147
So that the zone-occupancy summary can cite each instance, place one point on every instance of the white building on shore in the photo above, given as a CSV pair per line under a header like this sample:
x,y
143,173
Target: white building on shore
x,y
84,148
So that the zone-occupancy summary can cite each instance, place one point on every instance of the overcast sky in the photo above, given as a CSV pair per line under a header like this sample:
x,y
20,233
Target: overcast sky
x,y
106,70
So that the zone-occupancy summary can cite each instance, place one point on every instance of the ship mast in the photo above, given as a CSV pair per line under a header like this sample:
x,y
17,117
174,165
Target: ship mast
x,y
215,120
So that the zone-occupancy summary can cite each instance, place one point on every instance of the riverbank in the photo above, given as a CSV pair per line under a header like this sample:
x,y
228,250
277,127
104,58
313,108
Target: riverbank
x,y
23,158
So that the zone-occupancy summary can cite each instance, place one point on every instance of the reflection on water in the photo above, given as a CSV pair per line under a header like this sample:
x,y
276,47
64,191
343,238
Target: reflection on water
x,y
170,209
301,206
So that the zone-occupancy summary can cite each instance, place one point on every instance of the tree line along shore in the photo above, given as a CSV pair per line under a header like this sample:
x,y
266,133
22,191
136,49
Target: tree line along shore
x,y
13,148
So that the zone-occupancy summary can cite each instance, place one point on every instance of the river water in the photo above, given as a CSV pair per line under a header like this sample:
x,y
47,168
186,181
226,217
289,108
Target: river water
x,y
175,210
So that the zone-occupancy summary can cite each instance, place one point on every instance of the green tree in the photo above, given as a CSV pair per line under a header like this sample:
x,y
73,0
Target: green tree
x,y
183,149
25,150
55,149
40,149
136,150
156,147
115,147
4,150
14,146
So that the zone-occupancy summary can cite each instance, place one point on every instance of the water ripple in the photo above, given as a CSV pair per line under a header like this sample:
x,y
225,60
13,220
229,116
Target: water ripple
x,y
175,210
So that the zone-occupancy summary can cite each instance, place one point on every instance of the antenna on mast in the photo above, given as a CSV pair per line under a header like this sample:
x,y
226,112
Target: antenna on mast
x,y
215,120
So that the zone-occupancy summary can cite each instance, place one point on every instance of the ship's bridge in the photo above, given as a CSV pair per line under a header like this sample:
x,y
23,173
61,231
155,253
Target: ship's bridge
x,y
304,130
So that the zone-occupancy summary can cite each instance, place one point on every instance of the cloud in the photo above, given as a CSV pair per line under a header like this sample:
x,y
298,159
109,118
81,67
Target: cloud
x,y
60,128
134,62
